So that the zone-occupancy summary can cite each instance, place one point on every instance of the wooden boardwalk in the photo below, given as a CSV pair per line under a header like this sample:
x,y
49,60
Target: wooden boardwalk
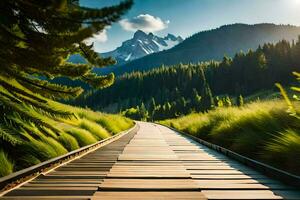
x,y
154,163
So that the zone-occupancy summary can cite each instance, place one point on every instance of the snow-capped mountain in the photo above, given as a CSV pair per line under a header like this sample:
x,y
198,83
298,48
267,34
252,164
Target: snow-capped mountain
x,y
141,45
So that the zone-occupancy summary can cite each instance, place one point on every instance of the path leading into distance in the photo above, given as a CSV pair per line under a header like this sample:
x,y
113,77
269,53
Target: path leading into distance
x,y
154,163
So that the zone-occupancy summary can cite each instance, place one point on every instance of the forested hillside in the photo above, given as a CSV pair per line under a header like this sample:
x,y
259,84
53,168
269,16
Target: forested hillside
x,y
37,38
213,45
174,90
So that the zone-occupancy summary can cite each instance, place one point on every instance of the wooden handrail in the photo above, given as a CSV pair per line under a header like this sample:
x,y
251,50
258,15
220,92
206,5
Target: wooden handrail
x,y
23,175
272,172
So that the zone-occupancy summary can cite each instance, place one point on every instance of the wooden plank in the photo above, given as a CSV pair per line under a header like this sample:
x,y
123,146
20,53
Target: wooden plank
x,y
104,195
59,191
47,197
227,176
240,194
156,163
241,186
236,181
153,184
78,179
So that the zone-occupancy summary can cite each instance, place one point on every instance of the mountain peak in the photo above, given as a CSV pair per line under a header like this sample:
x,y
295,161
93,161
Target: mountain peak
x,y
173,37
151,35
141,45
139,34
170,37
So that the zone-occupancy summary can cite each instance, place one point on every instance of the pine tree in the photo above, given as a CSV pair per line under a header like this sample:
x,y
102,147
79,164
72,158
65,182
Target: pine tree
x,y
181,105
37,38
219,102
143,112
227,101
196,100
152,107
240,101
207,97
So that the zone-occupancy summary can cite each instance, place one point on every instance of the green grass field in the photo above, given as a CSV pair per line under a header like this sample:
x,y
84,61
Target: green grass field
x,y
46,130
37,144
263,131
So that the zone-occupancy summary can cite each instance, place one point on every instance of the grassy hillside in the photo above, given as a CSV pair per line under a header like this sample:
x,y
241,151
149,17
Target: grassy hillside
x,y
33,135
263,131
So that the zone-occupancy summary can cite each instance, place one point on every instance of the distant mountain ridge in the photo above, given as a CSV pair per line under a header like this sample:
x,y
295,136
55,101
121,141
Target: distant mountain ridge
x,y
213,45
142,44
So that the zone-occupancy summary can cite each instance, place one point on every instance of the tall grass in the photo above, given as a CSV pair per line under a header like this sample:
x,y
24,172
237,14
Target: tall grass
x,y
37,135
284,151
97,130
68,141
26,160
112,123
260,130
56,145
83,137
6,165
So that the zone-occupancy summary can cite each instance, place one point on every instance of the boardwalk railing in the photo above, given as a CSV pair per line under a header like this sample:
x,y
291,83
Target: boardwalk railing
x,y
14,179
267,170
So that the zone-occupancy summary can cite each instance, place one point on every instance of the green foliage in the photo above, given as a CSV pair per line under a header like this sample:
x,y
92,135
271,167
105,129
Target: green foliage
x,y
97,130
39,149
37,38
83,137
115,123
265,124
6,165
63,32
143,112
291,108
152,107
213,44
284,150
33,135
196,100
68,141
56,145
240,101
132,113
207,97
26,160
8,136
38,46
199,84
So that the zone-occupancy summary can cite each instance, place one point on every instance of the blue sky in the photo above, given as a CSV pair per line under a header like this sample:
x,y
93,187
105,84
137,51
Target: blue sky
x,y
186,17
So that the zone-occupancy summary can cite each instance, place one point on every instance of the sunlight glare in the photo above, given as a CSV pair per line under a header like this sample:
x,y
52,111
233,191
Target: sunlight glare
x,y
295,2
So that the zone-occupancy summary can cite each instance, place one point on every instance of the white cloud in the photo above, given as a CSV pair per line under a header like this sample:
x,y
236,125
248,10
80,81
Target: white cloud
x,y
100,37
144,22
